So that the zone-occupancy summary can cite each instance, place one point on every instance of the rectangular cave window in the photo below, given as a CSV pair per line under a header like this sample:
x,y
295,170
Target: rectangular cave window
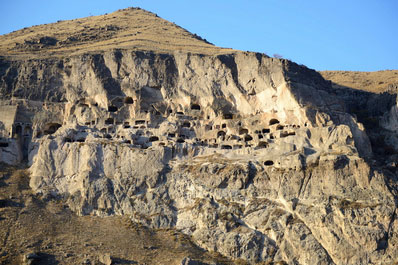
x,y
137,122
186,124
109,121
228,116
195,107
112,108
3,144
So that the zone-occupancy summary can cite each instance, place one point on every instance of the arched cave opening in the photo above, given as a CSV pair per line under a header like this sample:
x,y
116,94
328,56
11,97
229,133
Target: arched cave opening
x,y
243,131
262,144
186,124
195,107
248,138
221,134
268,163
128,100
153,138
51,128
273,121
28,131
18,129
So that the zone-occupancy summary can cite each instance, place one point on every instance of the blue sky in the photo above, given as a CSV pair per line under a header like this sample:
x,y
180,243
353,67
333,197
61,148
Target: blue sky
x,y
358,35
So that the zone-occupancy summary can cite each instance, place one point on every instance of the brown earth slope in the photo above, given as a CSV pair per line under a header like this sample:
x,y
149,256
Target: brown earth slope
x,y
131,28
375,82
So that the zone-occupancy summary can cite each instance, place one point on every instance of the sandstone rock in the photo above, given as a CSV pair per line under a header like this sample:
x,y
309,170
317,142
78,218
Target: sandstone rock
x,y
31,258
189,261
106,259
253,157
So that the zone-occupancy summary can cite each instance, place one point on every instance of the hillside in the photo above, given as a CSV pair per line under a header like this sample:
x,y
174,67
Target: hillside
x,y
375,82
131,28
127,128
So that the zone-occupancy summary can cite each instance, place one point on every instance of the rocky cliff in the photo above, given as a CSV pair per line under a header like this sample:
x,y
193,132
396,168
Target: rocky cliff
x,y
254,157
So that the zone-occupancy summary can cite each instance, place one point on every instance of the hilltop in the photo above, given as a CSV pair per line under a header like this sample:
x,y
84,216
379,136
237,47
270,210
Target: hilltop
x,y
131,28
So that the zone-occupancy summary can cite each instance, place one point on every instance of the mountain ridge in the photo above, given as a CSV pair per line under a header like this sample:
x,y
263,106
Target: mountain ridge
x,y
131,28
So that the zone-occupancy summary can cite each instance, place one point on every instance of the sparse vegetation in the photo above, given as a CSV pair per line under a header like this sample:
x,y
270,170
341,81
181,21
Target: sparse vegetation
x,y
131,28
376,82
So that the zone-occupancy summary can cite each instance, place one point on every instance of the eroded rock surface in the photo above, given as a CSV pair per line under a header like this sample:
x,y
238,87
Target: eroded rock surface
x,y
256,158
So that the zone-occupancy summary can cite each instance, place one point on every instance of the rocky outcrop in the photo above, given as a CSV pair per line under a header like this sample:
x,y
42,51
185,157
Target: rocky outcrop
x,y
334,209
254,157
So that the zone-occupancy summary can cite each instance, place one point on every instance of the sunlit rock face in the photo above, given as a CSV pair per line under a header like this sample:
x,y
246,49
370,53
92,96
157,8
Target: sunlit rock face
x,y
254,157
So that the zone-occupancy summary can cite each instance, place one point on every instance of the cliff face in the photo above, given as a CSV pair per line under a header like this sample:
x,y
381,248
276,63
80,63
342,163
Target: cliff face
x,y
254,157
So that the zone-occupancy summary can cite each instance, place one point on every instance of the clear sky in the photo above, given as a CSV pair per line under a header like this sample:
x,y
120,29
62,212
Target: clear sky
x,y
358,35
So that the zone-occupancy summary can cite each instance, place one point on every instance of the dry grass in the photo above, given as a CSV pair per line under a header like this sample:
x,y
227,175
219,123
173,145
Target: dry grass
x,y
131,28
376,82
